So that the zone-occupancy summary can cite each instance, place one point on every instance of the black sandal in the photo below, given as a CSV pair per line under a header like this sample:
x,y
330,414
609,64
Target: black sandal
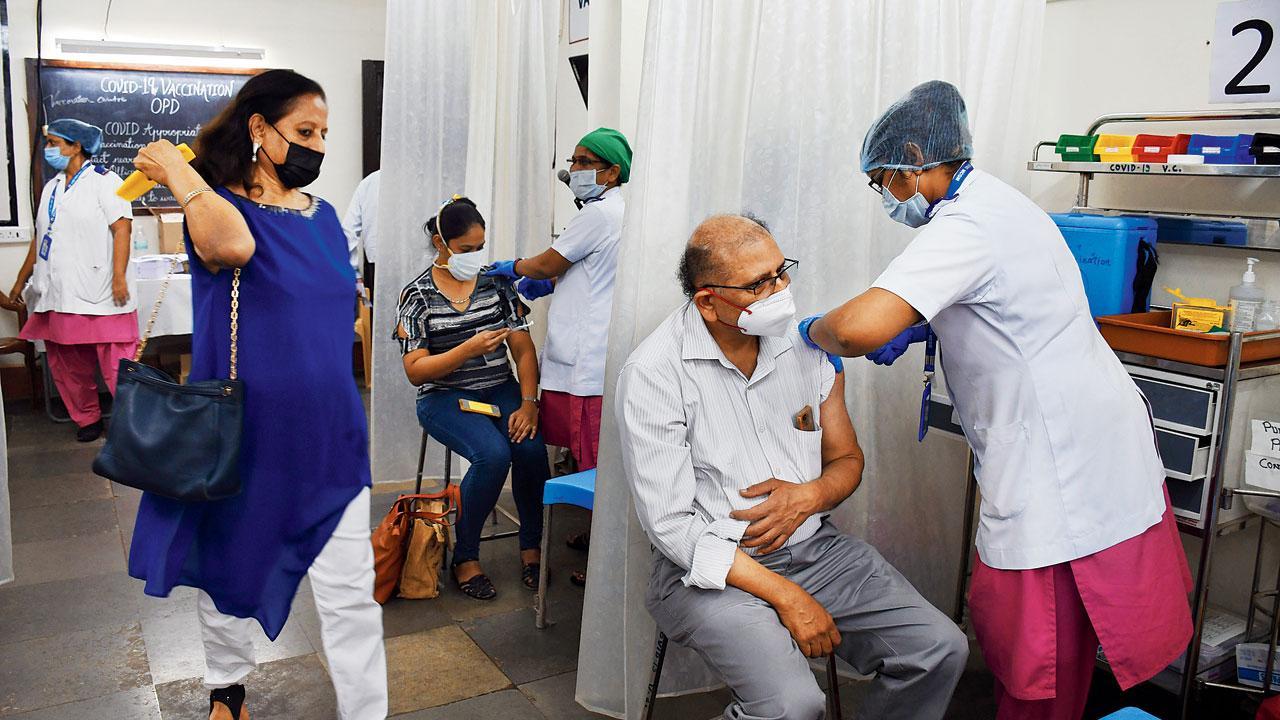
x,y
529,575
579,541
232,697
479,587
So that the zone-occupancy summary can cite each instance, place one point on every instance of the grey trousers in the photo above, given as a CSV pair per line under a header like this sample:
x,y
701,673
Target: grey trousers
x,y
887,630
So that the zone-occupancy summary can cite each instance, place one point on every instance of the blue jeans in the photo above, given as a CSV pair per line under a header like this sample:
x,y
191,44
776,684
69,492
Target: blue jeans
x,y
486,444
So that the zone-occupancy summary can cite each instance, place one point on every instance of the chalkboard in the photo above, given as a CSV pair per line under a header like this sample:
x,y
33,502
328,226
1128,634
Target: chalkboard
x,y
134,105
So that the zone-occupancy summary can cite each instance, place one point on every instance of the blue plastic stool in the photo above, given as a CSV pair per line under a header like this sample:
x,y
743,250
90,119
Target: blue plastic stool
x,y
1130,713
576,489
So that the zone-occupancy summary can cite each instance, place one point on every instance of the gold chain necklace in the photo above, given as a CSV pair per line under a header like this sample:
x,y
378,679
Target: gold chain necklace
x,y
463,301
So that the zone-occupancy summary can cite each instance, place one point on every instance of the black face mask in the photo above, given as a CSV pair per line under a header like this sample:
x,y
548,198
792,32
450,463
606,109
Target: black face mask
x,y
301,164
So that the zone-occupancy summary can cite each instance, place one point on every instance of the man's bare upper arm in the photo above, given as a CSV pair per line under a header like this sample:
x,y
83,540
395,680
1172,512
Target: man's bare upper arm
x,y
839,439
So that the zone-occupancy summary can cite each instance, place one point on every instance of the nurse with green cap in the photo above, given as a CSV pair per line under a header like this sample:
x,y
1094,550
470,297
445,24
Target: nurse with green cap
x,y
579,269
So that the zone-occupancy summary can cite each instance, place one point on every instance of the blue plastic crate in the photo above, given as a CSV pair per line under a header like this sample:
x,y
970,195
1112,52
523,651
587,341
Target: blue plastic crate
x,y
1108,250
1222,149
1201,232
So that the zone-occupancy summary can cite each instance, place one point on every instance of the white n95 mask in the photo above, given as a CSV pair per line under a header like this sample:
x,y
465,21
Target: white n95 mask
x,y
770,317
466,266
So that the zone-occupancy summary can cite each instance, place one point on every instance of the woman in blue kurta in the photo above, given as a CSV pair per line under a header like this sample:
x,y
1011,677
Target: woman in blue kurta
x,y
304,460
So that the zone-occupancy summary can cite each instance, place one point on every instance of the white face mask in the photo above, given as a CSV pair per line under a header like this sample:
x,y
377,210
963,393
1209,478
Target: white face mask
x,y
466,266
584,186
770,317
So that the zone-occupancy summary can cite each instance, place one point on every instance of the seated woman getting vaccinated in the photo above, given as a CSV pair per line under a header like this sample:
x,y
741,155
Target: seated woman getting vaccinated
x,y
455,327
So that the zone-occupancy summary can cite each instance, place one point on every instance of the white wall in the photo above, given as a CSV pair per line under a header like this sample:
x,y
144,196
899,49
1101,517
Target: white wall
x,y
323,39
1164,67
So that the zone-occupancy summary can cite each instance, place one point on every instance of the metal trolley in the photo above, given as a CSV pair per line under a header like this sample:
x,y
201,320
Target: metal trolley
x,y
1219,515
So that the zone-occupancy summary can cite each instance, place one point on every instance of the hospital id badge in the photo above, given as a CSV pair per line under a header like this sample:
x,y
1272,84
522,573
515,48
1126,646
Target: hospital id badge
x,y
45,243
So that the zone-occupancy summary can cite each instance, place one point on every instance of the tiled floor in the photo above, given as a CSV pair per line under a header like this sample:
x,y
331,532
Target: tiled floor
x,y
78,639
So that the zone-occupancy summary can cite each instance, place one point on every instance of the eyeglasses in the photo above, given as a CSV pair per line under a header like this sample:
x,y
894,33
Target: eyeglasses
x,y
877,186
756,287
584,160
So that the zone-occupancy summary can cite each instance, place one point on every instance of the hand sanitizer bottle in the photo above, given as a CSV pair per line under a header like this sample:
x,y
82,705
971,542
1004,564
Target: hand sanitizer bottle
x,y
1246,300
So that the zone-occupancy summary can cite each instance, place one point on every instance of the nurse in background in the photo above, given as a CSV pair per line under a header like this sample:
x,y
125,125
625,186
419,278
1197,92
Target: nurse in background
x,y
1077,544
361,224
79,297
579,268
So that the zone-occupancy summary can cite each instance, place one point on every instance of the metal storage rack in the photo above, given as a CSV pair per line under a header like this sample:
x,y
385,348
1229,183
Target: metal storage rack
x,y
1225,381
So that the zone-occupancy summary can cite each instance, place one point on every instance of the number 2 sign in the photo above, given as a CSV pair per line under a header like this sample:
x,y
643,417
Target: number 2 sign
x,y
1246,59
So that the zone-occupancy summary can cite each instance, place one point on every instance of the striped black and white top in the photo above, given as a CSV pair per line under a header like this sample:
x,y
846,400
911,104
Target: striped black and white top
x,y
430,323
695,432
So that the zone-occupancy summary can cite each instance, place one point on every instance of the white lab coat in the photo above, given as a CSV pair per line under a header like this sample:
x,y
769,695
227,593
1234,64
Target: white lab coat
x,y
76,278
361,221
1064,449
578,320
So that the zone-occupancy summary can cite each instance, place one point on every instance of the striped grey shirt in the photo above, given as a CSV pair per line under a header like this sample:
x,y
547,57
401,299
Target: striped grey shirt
x,y
695,431
430,323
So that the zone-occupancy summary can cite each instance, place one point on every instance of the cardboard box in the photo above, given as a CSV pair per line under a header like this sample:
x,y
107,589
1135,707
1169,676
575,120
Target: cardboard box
x,y
171,233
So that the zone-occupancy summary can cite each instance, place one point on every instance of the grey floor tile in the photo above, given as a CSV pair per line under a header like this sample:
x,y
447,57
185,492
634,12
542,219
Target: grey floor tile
x,y
175,651
554,697
507,704
50,522
66,558
71,667
34,611
137,704
125,510
401,617
180,600
26,492
43,462
283,690
522,651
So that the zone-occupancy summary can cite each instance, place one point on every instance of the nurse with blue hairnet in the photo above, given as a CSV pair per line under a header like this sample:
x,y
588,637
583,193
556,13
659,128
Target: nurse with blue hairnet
x,y
78,295
1076,542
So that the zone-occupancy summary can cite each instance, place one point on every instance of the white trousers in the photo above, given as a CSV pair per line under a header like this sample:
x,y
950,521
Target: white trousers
x,y
350,623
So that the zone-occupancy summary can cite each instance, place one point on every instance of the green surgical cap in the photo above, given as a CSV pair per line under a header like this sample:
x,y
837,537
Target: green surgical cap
x,y
926,128
611,146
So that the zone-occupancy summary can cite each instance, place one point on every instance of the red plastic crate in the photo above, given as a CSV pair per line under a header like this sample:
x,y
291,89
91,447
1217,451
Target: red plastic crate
x,y
1158,148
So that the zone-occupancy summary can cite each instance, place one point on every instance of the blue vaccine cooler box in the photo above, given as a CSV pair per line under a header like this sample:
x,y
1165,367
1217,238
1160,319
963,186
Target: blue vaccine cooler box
x,y
1116,254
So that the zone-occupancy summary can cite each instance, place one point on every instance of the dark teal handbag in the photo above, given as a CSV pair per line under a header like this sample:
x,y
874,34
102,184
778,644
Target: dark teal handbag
x,y
177,441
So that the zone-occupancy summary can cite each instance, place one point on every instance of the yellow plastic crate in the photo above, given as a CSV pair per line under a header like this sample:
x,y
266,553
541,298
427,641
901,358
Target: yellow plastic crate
x,y
1115,148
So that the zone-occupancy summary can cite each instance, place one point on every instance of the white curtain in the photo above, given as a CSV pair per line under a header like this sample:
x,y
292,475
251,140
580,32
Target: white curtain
x,y
6,526
762,106
467,105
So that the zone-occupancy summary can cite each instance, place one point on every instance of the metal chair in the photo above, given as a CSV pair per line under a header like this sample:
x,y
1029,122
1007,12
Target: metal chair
x,y
448,480
576,489
834,711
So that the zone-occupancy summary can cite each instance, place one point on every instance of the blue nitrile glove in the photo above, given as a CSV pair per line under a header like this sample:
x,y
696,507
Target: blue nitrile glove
x,y
892,350
533,289
505,269
837,362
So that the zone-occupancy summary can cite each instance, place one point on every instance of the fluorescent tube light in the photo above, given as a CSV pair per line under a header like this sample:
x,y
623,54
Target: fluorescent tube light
x,y
71,45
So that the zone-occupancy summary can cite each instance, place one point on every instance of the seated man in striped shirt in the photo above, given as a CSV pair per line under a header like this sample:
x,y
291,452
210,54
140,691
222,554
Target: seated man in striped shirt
x,y
736,443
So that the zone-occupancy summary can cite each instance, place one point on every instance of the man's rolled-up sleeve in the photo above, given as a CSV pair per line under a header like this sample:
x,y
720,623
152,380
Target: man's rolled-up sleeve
x,y
659,470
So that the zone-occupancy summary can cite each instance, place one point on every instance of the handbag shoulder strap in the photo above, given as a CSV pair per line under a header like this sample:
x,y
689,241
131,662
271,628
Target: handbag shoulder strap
x,y
235,317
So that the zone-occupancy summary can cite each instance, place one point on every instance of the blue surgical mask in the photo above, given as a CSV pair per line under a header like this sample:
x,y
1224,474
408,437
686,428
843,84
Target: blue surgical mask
x,y
584,186
912,212
56,159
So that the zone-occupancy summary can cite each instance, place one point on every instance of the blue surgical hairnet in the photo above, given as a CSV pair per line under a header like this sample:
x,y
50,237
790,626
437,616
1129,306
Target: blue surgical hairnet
x,y
926,128
71,130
